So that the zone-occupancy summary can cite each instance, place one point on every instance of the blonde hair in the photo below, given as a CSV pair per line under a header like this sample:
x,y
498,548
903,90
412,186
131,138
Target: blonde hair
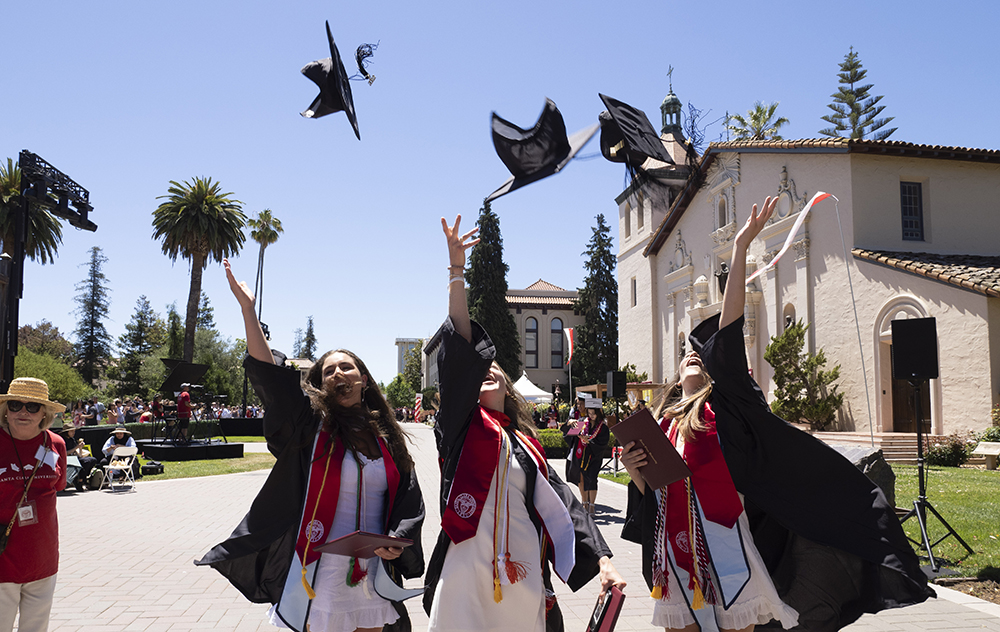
x,y
46,422
686,411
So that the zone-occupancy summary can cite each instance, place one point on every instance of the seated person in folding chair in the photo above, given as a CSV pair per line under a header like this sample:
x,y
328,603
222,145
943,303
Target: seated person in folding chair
x,y
77,447
118,439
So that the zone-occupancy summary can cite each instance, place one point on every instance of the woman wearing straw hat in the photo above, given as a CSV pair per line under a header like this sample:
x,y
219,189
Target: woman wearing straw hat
x,y
32,470
120,438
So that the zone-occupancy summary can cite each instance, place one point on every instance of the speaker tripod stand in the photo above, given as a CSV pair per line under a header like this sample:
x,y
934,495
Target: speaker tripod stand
x,y
921,505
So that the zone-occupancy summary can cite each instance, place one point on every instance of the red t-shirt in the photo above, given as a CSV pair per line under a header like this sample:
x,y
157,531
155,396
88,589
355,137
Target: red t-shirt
x,y
32,551
184,405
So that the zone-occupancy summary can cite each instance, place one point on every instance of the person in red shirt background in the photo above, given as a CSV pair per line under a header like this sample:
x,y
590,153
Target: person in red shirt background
x,y
32,470
184,412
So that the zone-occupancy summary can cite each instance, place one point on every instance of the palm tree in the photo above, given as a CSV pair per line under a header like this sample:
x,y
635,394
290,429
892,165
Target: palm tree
x,y
44,230
758,124
198,222
264,230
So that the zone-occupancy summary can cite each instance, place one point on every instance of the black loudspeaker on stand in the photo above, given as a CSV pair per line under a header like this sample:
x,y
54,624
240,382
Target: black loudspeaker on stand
x,y
915,359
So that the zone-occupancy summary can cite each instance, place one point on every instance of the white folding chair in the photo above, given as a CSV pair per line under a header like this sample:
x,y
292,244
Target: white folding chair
x,y
121,462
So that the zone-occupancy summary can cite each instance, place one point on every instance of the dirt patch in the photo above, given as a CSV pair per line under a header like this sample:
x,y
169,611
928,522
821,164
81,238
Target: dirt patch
x,y
986,589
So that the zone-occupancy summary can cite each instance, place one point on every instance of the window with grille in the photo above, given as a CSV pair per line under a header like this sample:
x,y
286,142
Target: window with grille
x,y
531,343
912,210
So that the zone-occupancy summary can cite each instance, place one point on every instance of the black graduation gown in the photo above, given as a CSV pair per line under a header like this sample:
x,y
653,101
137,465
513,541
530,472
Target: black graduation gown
x,y
830,540
462,366
257,556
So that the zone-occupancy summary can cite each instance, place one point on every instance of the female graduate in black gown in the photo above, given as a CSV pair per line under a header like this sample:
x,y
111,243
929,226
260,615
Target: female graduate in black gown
x,y
831,543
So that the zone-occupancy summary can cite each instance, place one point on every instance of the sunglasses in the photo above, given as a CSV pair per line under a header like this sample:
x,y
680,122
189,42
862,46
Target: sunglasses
x,y
32,407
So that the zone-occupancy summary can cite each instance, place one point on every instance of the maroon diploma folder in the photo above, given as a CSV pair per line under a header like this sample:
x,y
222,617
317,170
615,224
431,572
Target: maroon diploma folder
x,y
663,464
606,612
361,544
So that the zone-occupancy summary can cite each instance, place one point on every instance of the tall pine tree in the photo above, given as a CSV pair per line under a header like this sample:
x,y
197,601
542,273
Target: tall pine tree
x,y
175,333
596,340
487,292
308,347
145,333
854,109
93,342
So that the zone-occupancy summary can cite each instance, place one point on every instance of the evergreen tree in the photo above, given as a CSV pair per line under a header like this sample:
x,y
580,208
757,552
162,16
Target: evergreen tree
x,y
413,367
45,339
145,333
206,314
854,109
93,342
596,340
487,292
802,389
309,342
175,333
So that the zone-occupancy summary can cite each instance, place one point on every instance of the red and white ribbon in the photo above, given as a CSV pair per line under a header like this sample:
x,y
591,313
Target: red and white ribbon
x,y
820,196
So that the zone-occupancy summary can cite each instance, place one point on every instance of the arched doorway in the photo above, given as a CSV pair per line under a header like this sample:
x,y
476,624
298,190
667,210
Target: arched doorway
x,y
894,403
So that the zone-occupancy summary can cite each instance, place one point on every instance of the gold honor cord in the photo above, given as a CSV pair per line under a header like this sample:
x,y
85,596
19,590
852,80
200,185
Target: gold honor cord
x,y
326,470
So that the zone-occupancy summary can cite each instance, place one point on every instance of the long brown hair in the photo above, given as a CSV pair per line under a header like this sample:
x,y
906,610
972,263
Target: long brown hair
x,y
686,411
373,411
517,408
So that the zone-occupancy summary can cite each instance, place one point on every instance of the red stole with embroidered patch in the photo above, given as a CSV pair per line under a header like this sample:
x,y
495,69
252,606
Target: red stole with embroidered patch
x,y
474,474
321,499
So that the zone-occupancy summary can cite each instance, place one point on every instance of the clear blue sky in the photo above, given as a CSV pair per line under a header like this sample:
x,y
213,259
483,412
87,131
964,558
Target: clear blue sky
x,y
126,96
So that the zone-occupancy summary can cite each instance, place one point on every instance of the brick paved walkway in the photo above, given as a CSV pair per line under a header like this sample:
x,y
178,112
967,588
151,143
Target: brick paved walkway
x,y
126,562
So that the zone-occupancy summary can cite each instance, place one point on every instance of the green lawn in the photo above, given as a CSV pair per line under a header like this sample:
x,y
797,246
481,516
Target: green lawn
x,y
968,499
210,467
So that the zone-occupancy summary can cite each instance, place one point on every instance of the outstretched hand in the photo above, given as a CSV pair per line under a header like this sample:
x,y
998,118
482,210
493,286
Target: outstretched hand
x,y
755,223
457,242
239,288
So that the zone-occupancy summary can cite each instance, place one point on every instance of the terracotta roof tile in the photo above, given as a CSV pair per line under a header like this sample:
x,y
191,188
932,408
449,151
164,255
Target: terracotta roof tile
x,y
976,273
544,285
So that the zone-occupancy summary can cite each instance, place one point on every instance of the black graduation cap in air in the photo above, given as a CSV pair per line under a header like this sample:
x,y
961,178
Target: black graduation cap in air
x,y
334,86
537,153
627,135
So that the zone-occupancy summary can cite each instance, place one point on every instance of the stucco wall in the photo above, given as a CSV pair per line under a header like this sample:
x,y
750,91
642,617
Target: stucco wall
x,y
960,206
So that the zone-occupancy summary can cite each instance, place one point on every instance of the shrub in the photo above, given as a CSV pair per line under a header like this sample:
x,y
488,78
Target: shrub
x,y
553,442
991,434
951,451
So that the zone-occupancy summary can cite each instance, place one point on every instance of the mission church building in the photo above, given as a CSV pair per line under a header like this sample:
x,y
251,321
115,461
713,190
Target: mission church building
x,y
922,226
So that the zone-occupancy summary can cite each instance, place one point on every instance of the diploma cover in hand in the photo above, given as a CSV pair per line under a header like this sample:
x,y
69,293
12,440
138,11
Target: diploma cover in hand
x,y
663,464
606,612
361,544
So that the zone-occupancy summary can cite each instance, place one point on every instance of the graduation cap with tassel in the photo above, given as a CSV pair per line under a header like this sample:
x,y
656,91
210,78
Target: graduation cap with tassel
x,y
536,153
627,136
334,83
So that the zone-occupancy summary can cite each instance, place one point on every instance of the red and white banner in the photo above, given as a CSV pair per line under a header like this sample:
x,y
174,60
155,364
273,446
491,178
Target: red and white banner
x,y
820,196
569,338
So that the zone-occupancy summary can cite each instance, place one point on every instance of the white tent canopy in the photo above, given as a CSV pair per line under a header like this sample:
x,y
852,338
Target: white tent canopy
x,y
531,392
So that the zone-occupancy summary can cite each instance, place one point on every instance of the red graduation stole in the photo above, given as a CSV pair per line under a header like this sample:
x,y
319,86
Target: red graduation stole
x,y
474,474
324,492
716,493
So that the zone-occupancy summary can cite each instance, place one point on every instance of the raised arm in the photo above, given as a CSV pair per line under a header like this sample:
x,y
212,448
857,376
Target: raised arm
x,y
458,306
736,289
257,345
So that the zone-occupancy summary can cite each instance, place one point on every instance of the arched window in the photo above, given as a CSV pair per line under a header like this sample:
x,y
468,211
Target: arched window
x,y
557,343
531,343
722,217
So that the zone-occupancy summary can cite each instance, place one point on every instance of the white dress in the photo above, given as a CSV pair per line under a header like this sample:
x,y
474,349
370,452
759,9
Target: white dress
x,y
756,604
337,606
463,600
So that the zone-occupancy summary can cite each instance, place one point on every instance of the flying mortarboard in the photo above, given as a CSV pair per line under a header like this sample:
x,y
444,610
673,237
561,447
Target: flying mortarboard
x,y
531,155
334,86
627,135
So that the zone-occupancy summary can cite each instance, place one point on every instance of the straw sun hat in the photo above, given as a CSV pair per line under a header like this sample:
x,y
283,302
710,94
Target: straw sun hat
x,y
30,389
